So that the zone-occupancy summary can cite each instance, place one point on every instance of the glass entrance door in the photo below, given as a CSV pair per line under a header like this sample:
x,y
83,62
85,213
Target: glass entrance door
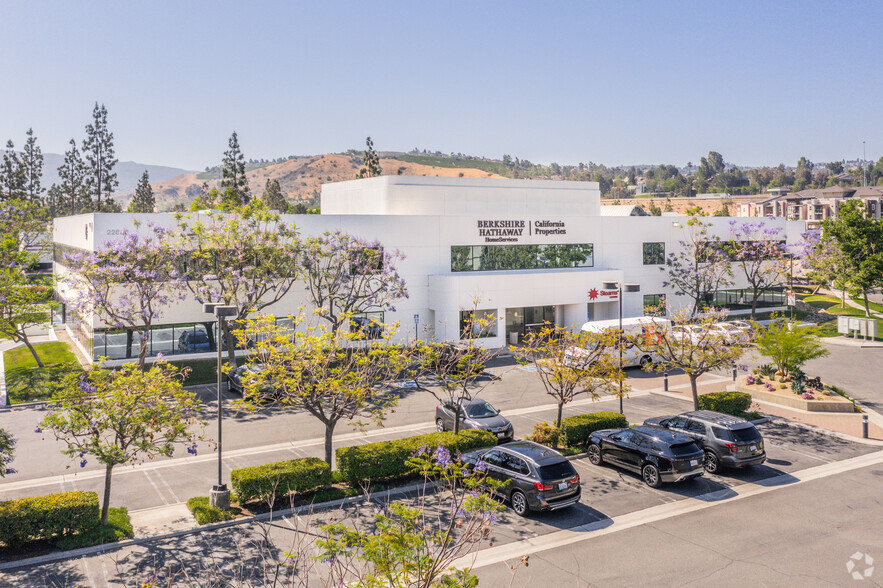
x,y
529,319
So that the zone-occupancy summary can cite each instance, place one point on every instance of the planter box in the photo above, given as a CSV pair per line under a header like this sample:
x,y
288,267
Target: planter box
x,y
831,403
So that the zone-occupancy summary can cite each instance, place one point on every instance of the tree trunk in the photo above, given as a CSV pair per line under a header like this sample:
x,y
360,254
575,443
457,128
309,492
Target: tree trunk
x,y
210,333
694,389
231,346
129,336
105,505
754,306
867,306
142,352
456,418
558,424
329,434
843,298
24,338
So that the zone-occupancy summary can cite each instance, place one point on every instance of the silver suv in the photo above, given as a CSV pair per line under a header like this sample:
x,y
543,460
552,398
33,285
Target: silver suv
x,y
726,440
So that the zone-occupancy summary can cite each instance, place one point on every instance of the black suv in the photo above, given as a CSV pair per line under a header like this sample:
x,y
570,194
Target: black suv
x,y
474,414
725,439
539,478
656,454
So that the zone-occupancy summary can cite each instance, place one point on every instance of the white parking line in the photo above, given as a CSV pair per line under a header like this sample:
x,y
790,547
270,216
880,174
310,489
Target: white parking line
x,y
578,534
166,484
155,487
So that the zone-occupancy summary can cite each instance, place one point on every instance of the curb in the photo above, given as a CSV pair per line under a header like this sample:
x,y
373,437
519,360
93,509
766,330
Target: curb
x,y
815,429
2,381
273,515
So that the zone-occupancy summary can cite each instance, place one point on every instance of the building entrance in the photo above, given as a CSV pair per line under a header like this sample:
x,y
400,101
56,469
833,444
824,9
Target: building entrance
x,y
527,319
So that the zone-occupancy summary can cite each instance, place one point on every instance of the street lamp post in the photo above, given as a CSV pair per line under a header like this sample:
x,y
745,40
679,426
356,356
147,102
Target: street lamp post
x,y
220,494
620,287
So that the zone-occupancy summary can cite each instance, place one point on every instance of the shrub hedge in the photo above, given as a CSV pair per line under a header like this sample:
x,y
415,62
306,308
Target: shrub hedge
x,y
734,403
389,459
44,517
575,429
205,513
280,478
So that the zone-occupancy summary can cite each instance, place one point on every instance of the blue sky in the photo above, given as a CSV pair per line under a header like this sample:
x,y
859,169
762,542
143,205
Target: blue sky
x,y
613,82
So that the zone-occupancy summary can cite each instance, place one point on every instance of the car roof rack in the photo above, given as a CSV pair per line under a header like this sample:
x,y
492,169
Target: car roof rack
x,y
717,418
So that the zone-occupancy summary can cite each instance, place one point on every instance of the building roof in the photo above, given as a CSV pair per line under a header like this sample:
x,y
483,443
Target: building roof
x,y
623,210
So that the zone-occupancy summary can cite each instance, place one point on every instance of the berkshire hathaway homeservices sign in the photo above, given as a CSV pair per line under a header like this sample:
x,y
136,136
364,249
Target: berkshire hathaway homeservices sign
x,y
510,231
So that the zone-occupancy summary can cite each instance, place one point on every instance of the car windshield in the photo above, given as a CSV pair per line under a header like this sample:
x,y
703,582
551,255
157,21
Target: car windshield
x,y
480,411
683,449
556,471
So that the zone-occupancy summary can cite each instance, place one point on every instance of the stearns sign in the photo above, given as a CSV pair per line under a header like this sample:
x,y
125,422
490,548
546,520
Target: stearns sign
x,y
601,295
510,231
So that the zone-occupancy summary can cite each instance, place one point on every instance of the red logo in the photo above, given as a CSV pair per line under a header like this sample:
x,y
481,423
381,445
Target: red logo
x,y
593,293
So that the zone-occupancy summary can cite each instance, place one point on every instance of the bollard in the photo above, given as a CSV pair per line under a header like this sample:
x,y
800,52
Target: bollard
x,y
665,381
734,372
864,426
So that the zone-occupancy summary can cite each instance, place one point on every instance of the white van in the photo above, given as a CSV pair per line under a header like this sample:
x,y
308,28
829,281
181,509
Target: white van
x,y
645,326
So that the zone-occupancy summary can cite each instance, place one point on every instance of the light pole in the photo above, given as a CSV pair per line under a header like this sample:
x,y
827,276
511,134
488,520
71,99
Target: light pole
x,y
220,494
619,286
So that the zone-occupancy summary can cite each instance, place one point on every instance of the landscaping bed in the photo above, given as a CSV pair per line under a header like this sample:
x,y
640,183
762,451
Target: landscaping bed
x,y
775,392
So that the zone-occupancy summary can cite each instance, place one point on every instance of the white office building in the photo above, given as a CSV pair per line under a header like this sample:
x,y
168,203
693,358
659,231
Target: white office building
x,y
524,251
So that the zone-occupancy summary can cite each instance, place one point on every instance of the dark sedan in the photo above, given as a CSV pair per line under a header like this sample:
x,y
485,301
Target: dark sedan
x,y
474,414
655,454
239,377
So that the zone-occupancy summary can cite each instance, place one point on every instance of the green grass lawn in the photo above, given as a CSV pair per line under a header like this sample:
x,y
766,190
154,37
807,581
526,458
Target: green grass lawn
x,y
202,371
831,305
874,306
25,382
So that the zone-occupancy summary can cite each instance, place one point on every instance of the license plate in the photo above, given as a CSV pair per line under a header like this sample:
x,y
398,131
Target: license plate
x,y
753,448
501,435
694,462
562,486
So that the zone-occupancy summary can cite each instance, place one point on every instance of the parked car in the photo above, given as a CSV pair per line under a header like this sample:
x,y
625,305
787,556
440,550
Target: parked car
x,y
653,453
237,378
194,341
368,328
745,327
539,478
474,414
727,332
725,440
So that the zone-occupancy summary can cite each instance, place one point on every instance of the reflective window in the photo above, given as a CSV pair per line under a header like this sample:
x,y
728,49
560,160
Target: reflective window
x,y
480,258
654,253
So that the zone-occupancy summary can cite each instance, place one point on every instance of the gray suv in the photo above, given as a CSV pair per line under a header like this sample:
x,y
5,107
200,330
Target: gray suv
x,y
726,440
539,478
474,414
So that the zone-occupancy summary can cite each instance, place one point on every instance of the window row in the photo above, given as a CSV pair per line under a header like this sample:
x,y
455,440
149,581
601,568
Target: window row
x,y
480,258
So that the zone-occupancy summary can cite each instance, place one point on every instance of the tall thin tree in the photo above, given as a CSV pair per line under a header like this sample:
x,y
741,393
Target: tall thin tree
x,y
32,169
233,173
99,152
72,194
144,200
273,198
372,162
11,174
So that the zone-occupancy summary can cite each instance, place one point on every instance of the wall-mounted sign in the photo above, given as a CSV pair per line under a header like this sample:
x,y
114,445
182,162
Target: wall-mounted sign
x,y
495,231
599,295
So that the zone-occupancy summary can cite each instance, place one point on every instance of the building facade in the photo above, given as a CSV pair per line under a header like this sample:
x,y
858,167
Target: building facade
x,y
814,205
524,252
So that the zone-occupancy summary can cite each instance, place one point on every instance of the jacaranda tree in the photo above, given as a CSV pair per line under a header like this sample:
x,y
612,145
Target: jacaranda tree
x,y
124,416
758,252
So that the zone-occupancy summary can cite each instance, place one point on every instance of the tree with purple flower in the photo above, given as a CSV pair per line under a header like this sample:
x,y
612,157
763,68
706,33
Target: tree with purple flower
x,y
346,275
245,256
123,416
700,266
758,251
126,284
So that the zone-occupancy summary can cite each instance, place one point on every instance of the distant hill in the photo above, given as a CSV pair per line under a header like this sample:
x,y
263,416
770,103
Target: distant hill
x,y
301,177
128,174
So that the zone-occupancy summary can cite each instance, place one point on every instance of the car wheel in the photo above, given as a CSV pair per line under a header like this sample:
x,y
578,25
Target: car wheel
x,y
711,462
519,503
594,454
439,426
645,361
651,476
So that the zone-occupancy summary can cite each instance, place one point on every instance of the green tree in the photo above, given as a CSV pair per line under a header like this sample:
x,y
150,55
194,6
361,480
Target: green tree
x,y
835,167
654,209
144,200
332,375
32,169
859,238
98,150
372,162
233,174
689,344
571,364
124,416
72,195
789,345
273,198
12,178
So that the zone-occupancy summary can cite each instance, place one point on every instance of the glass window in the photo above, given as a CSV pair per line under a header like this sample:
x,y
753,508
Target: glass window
x,y
556,471
478,323
654,253
494,458
480,411
654,304
515,464
677,422
695,427
473,258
